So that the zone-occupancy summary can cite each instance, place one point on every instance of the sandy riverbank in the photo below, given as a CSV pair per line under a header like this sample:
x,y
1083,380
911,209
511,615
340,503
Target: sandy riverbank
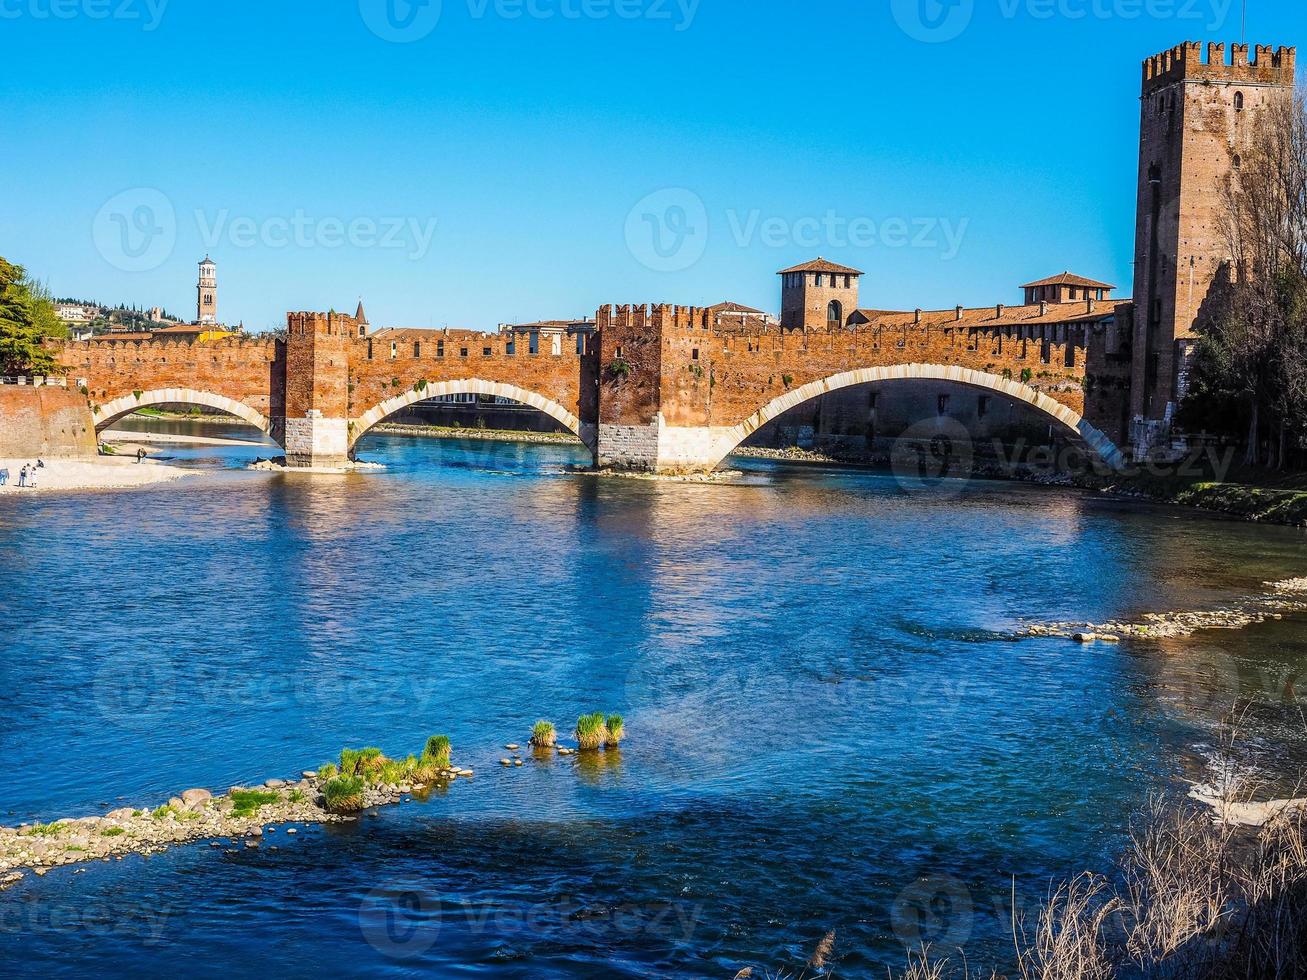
x,y
90,473
128,437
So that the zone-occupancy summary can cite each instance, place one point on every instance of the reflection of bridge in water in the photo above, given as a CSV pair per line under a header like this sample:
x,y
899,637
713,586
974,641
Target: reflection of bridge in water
x,y
660,388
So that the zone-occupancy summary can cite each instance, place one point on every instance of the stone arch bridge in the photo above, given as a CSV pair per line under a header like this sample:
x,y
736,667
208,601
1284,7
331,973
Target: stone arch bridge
x,y
659,388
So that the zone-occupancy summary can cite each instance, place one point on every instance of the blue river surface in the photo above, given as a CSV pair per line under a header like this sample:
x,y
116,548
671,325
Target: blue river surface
x,y
830,724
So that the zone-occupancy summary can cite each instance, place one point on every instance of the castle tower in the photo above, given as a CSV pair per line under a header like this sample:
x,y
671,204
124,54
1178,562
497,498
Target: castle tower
x,y
1199,114
207,294
817,294
316,423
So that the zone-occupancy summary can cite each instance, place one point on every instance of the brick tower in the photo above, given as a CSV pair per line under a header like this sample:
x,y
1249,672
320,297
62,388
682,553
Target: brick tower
x,y
207,294
817,294
1198,116
317,388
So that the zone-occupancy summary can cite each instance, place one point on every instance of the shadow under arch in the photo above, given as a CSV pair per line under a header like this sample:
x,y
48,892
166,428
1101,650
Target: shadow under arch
x,y
360,426
118,409
1099,444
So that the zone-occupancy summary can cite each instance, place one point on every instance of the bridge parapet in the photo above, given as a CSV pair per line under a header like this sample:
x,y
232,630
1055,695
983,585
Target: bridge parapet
x,y
674,390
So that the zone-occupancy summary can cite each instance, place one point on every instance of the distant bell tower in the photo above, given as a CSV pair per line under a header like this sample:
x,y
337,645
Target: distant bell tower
x,y
1199,114
817,295
207,294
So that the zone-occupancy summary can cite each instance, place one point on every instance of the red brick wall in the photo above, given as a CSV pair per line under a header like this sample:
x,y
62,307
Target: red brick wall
x,y
458,355
44,421
248,370
705,377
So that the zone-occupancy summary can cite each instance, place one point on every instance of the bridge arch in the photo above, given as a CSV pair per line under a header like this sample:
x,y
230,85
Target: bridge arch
x,y
1099,444
111,412
360,426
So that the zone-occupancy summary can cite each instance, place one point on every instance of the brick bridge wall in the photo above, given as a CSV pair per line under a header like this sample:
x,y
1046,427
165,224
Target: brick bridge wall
x,y
451,357
656,388
679,394
248,370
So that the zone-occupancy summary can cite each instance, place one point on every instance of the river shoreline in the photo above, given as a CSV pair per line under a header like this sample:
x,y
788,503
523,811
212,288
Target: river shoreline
x,y
90,473
1238,501
242,813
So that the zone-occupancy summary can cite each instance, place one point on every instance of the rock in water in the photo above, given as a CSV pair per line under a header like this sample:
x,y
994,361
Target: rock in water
x,y
193,798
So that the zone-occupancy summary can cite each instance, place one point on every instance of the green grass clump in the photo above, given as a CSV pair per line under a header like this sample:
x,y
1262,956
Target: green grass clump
x,y
362,762
616,729
47,829
295,795
246,802
113,832
591,731
437,750
371,762
426,770
544,735
344,794
327,771
349,762
163,812
393,772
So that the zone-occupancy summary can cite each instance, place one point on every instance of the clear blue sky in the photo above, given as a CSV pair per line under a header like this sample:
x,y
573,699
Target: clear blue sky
x,y
531,131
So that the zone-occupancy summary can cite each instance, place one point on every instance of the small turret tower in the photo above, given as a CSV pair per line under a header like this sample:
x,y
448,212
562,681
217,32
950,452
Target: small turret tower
x,y
817,295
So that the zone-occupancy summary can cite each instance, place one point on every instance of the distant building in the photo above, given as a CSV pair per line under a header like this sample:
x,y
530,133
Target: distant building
x,y
1066,288
549,336
207,294
76,312
734,316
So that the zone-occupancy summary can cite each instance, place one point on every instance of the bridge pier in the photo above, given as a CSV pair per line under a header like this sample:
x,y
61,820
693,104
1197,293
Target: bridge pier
x,y
316,442
661,448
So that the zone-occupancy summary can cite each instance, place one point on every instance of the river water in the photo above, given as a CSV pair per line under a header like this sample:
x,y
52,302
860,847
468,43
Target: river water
x,y
830,725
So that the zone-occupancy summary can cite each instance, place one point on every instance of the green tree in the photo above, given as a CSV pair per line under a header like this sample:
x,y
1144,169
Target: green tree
x,y
27,317
1249,376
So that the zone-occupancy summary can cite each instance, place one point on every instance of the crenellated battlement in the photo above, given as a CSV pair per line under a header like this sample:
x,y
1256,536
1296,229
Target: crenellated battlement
x,y
1188,62
84,348
656,316
330,324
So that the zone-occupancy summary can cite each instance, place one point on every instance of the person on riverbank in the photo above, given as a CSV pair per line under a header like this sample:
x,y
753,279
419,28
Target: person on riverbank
x,y
140,455
22,476
4,476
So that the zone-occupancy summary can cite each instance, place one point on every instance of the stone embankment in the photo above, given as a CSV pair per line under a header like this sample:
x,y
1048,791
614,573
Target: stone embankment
x,y
493,435
241,813
1288,596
